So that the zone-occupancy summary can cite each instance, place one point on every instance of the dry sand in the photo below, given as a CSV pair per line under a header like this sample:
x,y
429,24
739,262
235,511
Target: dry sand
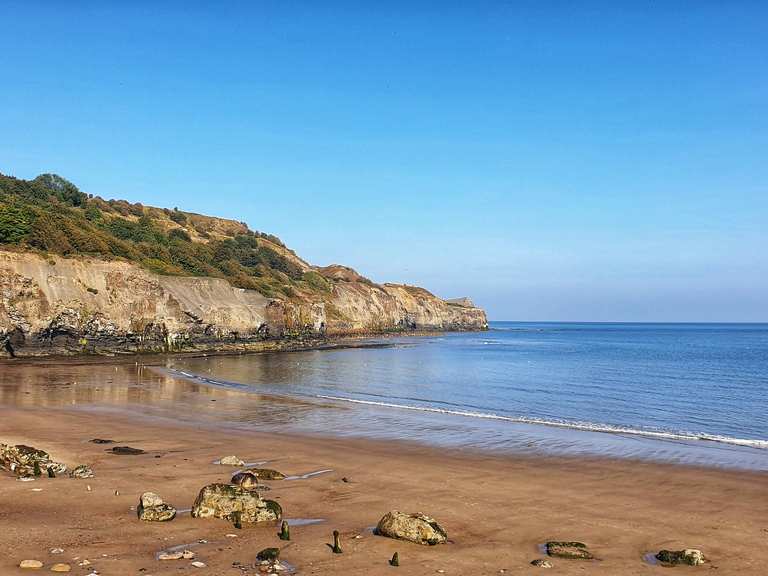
x,y
497,509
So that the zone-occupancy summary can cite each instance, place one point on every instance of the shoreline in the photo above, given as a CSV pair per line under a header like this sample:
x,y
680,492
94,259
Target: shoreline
x,y
333,342
155,387
497,509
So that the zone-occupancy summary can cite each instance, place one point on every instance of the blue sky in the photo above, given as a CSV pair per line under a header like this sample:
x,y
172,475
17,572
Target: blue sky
x,y
553,160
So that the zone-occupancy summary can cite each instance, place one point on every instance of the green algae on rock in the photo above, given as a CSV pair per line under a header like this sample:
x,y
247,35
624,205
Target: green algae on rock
x,y
234,503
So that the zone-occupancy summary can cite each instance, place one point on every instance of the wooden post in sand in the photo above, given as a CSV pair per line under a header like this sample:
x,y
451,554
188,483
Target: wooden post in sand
x,y
336,544
285,531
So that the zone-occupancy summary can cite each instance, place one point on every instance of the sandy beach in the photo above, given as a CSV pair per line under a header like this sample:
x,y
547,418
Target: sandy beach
x,y
497,509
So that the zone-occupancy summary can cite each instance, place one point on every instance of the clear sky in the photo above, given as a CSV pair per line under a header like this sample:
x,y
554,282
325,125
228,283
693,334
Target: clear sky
x,y
553,160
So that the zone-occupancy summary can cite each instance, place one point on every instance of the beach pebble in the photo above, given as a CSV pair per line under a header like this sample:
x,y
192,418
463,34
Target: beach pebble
x,y
61,568
85,562
188,554
56,550
170,555
541,563
31,564
198,564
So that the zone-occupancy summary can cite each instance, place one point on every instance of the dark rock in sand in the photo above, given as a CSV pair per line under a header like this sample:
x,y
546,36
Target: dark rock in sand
x,y
688,557
234,503
126,451
541,563
417,528
102,441
152,508
266,473
247,480
269,554
569,550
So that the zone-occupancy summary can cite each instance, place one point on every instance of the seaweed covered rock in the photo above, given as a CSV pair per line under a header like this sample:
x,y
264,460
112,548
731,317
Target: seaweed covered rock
x,y
417,528
266,474
234,503
569,550
689,557
26,461
152,508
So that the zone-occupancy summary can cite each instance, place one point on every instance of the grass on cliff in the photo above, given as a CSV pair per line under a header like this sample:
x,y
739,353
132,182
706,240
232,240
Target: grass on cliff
x,y
51,215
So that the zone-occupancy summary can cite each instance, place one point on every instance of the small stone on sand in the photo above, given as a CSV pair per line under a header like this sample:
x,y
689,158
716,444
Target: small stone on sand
x,y
31,564
197,564
61,568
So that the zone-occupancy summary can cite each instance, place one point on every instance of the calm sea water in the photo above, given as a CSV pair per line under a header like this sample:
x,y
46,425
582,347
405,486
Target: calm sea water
x,y
692,393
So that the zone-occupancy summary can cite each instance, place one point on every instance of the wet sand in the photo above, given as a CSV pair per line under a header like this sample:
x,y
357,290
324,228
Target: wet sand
x,y
497,509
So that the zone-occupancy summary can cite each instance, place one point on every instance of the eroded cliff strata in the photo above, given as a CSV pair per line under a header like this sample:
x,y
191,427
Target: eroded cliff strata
x,y
56,305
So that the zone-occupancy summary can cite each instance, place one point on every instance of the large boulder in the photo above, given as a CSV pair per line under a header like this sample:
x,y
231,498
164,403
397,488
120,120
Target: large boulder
x,y
689,556
234,503
152,508
416,527
570,550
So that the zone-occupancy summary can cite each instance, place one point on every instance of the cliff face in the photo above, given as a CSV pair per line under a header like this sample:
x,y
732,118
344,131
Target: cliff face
x,y
57,305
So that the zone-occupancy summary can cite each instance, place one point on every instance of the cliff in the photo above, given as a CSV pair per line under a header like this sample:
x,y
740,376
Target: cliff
x,y
142,279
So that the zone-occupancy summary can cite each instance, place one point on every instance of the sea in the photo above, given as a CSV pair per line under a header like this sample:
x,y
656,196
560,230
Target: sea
x,y
693,394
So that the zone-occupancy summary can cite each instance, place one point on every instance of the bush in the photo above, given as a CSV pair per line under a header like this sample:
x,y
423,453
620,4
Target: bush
x,y
15,224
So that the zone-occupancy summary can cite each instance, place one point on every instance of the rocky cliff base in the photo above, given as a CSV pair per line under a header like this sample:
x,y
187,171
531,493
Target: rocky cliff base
x,y
54,305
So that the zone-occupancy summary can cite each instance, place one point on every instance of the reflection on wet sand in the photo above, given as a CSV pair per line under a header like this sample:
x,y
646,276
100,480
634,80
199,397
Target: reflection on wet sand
x,y
136,386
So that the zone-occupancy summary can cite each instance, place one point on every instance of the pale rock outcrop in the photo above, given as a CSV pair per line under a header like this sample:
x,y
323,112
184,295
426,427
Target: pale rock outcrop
x,y
57,305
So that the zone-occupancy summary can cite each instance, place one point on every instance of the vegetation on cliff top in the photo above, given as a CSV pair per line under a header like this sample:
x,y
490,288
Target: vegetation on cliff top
x,y
51,215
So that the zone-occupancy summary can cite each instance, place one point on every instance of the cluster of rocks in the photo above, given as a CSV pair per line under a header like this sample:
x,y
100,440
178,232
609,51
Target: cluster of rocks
x,y
27,462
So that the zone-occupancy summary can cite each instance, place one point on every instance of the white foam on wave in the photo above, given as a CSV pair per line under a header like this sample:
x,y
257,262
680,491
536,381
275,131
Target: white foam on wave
x,y
584,426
